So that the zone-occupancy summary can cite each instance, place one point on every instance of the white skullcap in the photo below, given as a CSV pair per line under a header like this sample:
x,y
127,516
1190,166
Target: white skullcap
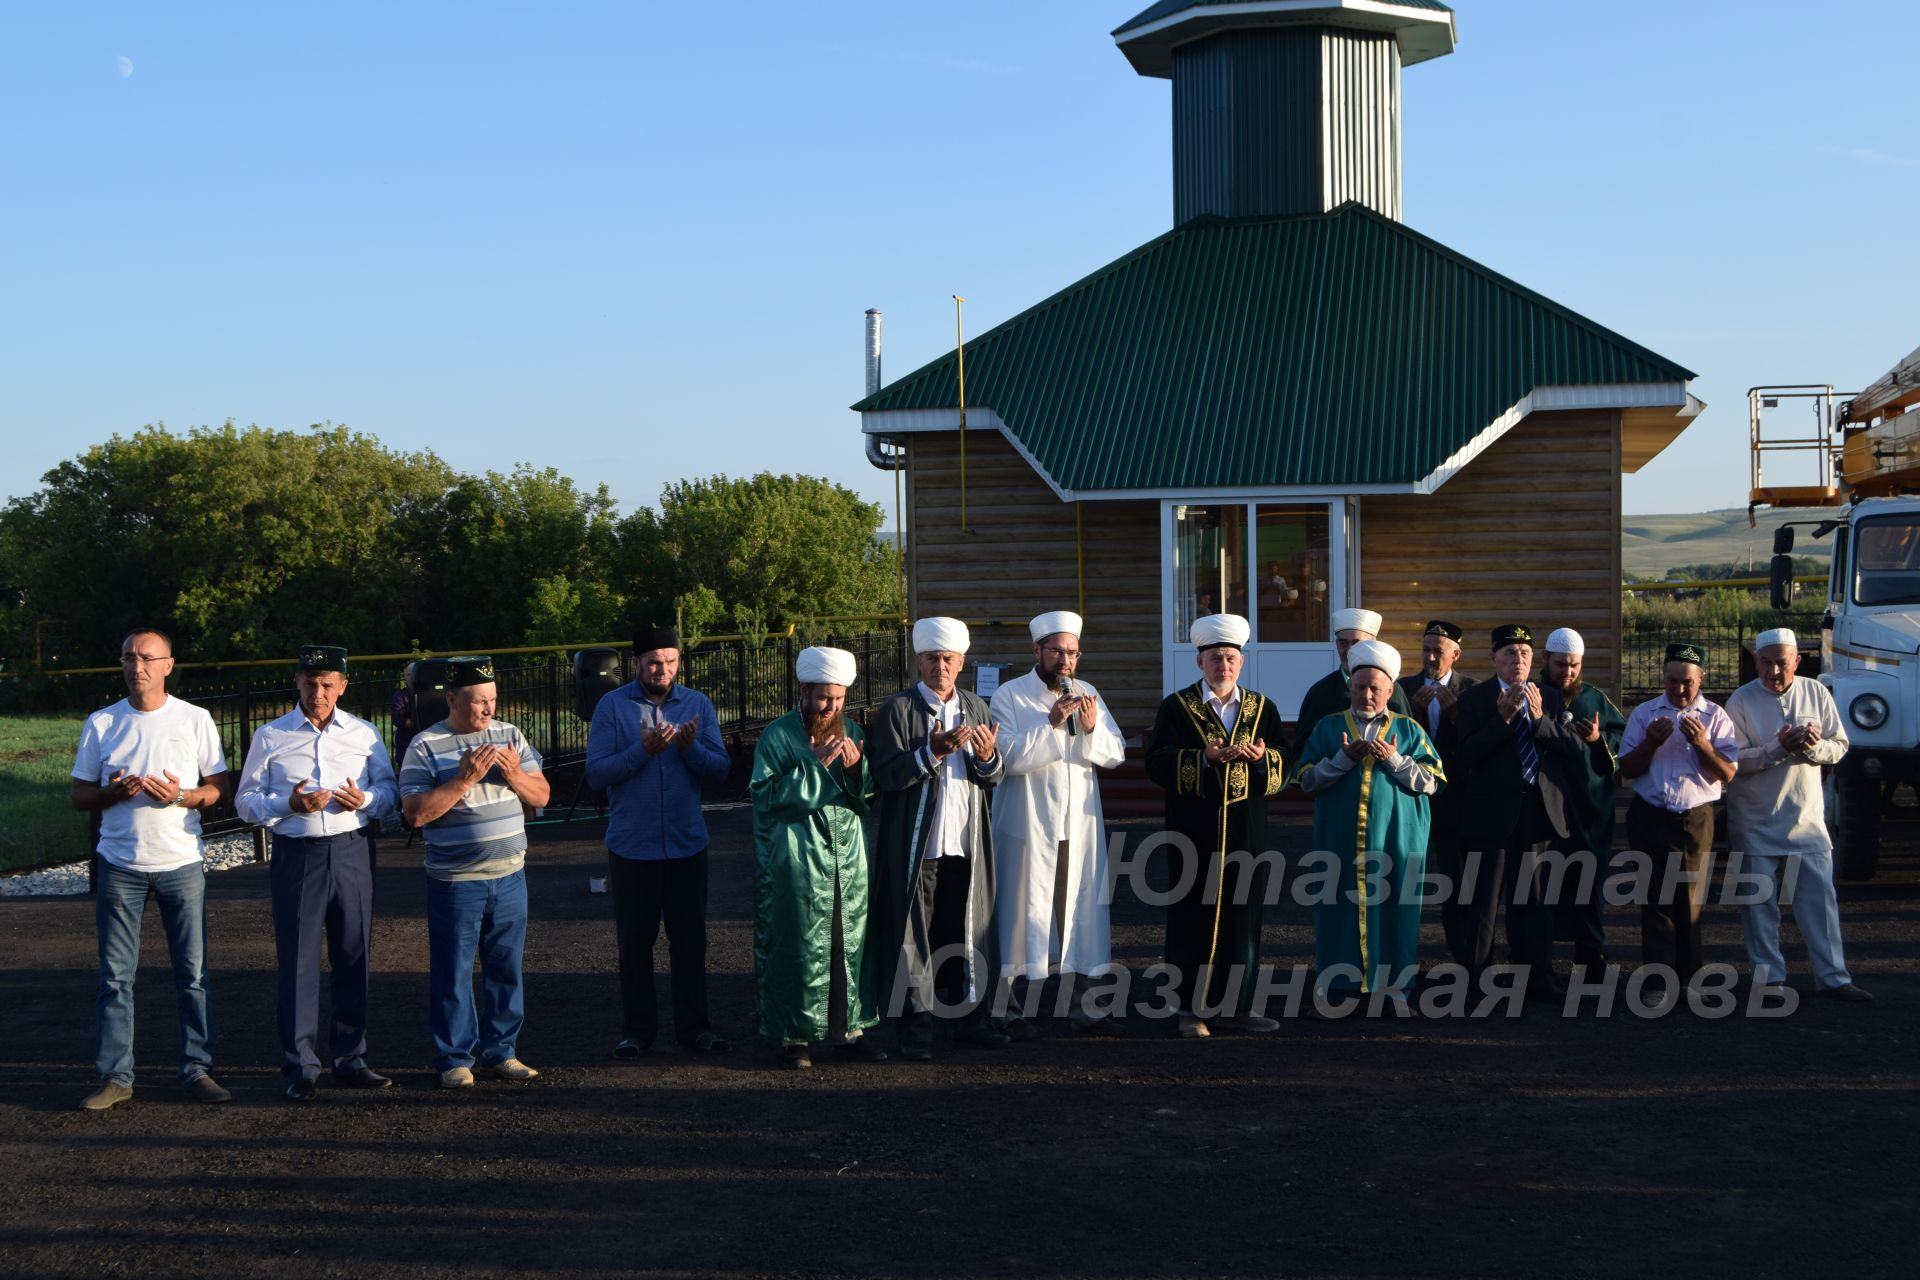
x,y
1566,640
1779,635
1052,624
1357,620
1220,628
1374,653
940,635
825,666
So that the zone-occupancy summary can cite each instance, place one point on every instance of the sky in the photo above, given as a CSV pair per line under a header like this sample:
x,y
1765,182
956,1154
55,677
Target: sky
x,y
635,241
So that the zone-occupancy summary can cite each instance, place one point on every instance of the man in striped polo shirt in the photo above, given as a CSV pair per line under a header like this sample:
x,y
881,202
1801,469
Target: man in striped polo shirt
x,y
463,784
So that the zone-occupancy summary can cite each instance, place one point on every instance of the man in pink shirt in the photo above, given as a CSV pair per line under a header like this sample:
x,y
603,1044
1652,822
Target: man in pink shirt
x,y
1678,751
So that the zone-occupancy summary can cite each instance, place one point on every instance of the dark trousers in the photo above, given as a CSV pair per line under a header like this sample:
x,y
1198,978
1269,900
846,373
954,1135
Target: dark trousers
x,y
1218,939
1670,917
941,891
322,887
644,893
1487,879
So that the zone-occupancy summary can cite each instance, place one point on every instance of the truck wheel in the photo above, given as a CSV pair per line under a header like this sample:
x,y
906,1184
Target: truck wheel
x,y
1853,820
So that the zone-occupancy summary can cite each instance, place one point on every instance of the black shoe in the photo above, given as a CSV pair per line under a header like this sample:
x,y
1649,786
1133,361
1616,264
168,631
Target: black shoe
x,y
981,1038
1848,994
629,1048
360,1078
1021,1029
796,1058
1551,991
860,1050
302,1089
707,1042
1102,1027
916,1051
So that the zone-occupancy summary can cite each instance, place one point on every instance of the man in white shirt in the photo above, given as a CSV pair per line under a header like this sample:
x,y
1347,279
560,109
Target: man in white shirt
x,y
148,765
1776,815
1048,831
930,935
318,778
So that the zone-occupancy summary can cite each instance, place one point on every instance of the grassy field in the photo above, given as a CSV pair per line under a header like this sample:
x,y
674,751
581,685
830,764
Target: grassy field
x,y
36,824
1650,545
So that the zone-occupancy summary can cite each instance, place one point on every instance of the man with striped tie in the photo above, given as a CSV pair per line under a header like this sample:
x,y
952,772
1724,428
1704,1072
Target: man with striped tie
x,y
1516,755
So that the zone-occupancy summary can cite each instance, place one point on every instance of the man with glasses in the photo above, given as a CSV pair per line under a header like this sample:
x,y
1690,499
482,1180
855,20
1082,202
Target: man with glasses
x,y
148,765
1047,825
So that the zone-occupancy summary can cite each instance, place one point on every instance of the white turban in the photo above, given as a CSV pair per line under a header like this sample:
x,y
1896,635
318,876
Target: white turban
x,y
1566,640
1357,620
825,666
1373,653
1779,635
1052,624
940,635
1220,628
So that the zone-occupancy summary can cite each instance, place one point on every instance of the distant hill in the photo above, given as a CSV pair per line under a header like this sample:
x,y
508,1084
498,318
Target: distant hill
x,y
1650,545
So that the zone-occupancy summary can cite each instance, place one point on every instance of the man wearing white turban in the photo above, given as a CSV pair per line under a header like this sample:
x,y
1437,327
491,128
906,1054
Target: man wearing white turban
x,y
1328,695
1372,775
811,789
1215,749
1048,831
1776,814
931,940
1578,913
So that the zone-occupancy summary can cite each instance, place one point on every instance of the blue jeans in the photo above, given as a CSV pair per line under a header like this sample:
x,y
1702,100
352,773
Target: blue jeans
x,y
464,917
119,904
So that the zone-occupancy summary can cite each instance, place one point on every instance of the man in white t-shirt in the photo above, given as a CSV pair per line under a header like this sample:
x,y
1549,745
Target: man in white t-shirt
x,y
148,764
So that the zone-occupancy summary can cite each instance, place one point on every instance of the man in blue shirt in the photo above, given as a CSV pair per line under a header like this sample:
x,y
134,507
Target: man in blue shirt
x,y
652,743
318,778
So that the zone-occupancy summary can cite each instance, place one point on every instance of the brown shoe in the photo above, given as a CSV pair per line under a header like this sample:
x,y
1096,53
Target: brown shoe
x,y
109,1095
204,1088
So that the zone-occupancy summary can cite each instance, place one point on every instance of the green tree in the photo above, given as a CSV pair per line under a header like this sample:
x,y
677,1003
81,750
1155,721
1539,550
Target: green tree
x,y
766,550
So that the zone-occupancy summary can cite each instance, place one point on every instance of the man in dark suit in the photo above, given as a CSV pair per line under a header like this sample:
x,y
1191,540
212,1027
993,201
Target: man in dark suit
x,y
1515,755
1434,694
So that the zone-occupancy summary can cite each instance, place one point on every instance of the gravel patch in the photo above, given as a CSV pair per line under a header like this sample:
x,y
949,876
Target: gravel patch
x,y
222,853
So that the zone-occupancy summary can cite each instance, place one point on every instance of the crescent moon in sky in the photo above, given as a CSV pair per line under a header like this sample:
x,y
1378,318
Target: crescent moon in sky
x,y
126,66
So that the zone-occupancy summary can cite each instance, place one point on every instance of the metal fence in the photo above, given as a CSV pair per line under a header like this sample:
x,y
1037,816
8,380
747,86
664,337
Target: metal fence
x,y
1643,653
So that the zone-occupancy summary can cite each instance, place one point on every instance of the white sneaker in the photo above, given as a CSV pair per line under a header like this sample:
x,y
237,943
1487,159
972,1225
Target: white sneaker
x,y
510,1069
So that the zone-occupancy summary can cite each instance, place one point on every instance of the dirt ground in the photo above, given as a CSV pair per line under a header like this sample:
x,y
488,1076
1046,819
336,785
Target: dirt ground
x,y
1535,1145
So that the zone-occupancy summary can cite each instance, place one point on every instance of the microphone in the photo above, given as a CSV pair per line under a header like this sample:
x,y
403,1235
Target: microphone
x,y
1063,685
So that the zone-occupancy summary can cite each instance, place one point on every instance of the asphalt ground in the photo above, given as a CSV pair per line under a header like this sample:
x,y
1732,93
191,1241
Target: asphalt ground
x,y
1680,1145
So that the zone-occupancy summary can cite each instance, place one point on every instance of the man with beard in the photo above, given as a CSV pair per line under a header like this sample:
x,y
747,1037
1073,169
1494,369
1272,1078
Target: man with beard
x,y
1049,838
1371,775
1328,695
934,754
1597,723
1209,751
1776,814
1517,757
318,777
652,743
465,785
810,791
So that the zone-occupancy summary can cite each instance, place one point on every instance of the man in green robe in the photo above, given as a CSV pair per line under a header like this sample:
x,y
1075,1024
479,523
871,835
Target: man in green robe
x,y
1598,724
810,791
1371,774
1209,750
1328,695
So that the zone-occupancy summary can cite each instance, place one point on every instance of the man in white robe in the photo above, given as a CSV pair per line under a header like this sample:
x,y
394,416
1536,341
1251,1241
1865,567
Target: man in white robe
x,y
1048,835
1776,818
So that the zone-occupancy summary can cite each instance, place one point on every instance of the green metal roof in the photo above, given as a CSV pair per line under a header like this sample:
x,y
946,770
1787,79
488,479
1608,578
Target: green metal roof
x,y
1166,8
1334,349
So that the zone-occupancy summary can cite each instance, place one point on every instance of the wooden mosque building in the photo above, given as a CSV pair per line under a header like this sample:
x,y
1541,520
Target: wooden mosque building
x,y
1289,403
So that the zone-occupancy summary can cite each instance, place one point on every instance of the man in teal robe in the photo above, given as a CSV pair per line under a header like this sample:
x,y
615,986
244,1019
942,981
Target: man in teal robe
x,y
1328,696
811,789
1598,724
1371,773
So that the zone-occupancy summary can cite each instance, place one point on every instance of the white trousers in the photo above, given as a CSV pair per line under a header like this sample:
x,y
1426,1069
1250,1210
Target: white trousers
x,y
1803,881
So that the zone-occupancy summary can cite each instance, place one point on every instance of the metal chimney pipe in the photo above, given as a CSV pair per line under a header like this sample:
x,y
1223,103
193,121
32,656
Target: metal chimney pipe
x,y
882,452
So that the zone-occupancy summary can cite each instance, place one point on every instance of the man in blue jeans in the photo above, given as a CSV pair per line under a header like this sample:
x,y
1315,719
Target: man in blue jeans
x,y
652,743
147,765
463,785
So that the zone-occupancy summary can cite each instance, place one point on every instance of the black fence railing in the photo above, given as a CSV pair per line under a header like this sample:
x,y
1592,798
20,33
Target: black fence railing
x,y
1729,655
